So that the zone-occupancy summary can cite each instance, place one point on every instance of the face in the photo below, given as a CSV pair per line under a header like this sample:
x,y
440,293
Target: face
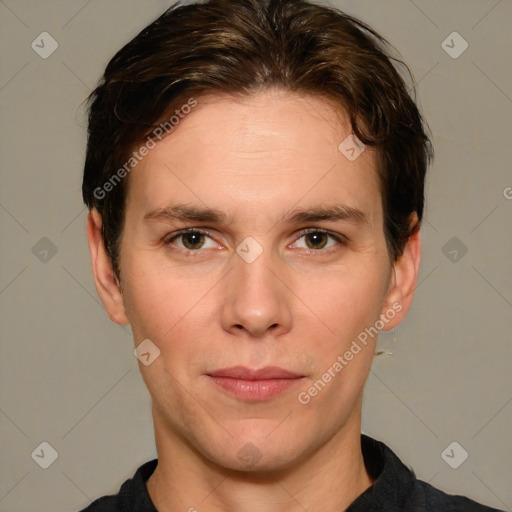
x,y
283,267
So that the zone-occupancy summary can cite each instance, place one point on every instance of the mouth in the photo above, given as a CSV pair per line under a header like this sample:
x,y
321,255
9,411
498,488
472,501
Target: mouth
x,y
255,385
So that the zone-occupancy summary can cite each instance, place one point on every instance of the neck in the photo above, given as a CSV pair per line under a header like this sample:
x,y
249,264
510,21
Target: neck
x,y
328,480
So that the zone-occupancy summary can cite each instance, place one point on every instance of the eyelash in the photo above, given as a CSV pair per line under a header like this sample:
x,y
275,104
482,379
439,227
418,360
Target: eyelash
x,y
341,239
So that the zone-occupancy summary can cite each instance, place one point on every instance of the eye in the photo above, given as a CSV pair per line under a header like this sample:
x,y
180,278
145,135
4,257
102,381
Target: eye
x,y
316,239
191,239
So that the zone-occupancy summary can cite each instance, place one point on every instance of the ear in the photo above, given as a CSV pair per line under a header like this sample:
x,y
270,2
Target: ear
x,y
106,282
403,281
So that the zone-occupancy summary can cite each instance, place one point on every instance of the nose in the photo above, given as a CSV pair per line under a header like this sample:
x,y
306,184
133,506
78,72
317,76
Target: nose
x,y
256,299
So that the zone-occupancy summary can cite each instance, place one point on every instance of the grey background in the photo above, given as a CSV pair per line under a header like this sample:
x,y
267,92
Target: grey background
x,y
68,375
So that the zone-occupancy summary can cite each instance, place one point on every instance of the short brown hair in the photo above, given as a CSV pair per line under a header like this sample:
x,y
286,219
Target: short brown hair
x,y
240,47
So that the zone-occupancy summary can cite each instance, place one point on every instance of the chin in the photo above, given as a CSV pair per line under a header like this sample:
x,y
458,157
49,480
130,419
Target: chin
x,y
258,454
250,459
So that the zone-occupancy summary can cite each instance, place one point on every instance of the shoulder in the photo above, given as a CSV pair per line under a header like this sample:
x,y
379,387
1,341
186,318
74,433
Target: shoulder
x,y
105,504
426,497
132,496
396,488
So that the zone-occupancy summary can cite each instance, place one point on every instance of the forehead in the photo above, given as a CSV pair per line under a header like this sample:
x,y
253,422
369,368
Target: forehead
x,y
270,151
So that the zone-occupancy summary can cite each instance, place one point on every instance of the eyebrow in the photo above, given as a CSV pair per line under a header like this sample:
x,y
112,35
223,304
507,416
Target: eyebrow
x,y
192,213
331,213
186,212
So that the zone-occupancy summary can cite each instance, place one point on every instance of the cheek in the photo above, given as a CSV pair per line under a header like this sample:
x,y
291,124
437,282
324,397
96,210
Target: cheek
x,y
170,308
153,304
345,302
344,352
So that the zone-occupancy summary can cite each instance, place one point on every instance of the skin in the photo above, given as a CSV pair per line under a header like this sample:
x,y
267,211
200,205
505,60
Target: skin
x,y
299,305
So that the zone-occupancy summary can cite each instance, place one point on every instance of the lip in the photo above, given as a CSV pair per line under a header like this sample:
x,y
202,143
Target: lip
x,y
255,385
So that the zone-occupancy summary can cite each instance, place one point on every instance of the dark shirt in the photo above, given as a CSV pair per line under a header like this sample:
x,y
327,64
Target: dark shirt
x,y
395,489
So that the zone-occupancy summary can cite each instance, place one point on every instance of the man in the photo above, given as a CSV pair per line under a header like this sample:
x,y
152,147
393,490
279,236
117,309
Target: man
x,y
255,178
